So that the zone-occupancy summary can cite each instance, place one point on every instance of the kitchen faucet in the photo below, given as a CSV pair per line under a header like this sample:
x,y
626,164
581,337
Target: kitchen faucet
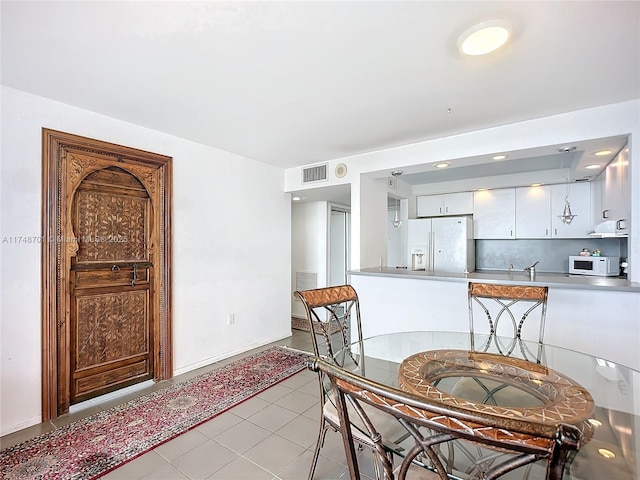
x,y
532,270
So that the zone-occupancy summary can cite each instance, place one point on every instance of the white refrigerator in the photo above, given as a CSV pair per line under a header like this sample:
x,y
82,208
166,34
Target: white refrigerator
x,y
441,244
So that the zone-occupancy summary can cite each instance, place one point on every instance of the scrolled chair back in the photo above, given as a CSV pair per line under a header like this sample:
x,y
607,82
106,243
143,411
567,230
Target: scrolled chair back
x,y
508,310
329,311
431,425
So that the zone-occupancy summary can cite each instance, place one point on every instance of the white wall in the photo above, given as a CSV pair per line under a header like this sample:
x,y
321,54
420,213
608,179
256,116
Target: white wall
x,y
373,218
309,247
231,222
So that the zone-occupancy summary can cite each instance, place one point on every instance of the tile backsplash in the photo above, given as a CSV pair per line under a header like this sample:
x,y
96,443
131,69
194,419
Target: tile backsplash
x,y
553,255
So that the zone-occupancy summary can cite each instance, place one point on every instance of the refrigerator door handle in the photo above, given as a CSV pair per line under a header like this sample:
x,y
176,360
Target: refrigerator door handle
x,y
432,243
427,259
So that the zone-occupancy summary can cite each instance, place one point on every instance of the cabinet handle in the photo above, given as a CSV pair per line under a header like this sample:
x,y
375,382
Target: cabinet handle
x,y
620,225
605,213
446,209
440,209
555,232
546,232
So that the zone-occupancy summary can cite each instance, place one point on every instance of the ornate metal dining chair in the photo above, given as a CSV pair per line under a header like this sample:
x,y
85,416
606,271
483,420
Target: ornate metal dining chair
x,y
520,442
333,312
498,317
506,308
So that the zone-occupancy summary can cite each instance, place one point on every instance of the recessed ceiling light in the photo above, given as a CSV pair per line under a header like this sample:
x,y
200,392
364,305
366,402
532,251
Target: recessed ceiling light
x,y
592,166
536,184
484,37
442,165
606,453
602,153
296,199
499,157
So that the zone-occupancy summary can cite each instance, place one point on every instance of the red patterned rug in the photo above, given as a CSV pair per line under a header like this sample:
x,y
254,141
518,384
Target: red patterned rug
x,y
96,445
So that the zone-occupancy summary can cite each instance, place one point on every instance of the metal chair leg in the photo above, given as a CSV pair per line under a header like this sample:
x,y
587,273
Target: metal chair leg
x,y
322,433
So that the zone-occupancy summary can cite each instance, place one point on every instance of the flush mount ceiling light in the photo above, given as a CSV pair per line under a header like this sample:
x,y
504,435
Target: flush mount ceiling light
x,y
498,157
442,165
592,166
484,37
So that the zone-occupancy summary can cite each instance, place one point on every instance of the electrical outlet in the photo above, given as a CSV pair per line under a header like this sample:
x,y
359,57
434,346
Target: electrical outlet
x,y
231,319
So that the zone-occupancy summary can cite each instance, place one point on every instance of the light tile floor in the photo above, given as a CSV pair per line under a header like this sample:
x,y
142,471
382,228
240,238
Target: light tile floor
x,y
270,436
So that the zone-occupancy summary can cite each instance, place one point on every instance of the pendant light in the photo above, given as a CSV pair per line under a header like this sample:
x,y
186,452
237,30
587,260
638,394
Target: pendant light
x,y
396,217
567,217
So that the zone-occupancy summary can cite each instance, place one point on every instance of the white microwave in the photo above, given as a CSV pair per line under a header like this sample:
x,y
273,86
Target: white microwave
x,y
598,266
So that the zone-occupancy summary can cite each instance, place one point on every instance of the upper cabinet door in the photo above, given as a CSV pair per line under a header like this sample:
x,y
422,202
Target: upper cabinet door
x,y
494,214
579,197
429,205
533,212
616,199
460,203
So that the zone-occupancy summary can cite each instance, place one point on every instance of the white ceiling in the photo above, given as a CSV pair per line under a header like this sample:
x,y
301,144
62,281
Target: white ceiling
x,y
293,83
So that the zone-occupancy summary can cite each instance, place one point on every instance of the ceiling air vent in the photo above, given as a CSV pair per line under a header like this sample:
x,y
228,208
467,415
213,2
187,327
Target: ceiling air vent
x,y
314,174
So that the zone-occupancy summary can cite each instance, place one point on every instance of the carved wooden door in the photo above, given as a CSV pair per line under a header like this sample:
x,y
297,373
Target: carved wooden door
x,y
111,285
106,269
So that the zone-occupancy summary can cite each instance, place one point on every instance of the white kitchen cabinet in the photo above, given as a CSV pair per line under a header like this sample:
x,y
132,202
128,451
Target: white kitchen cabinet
x,y
533,210
494,214
538,211
615,194
460,203
579,196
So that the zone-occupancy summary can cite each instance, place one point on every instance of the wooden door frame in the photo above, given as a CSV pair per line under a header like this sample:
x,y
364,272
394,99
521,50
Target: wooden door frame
x,y
61,174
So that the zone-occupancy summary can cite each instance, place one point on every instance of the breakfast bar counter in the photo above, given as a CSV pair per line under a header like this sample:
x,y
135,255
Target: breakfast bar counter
x,y
597,315
562,280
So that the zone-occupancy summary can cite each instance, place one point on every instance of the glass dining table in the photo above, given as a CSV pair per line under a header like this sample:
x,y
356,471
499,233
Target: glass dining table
x,y
609,411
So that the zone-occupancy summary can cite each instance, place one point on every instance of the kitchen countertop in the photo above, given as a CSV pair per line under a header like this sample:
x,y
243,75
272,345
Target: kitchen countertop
x,y
558,280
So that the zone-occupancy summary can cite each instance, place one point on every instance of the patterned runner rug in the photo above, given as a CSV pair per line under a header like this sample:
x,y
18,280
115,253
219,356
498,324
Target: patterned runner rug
x,y
91,447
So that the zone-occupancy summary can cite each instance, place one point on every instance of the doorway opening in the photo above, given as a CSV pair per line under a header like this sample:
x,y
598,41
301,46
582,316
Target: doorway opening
x,y
339,254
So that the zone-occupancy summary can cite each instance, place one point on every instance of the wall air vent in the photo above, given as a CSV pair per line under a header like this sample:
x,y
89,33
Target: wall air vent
x,y
314,174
